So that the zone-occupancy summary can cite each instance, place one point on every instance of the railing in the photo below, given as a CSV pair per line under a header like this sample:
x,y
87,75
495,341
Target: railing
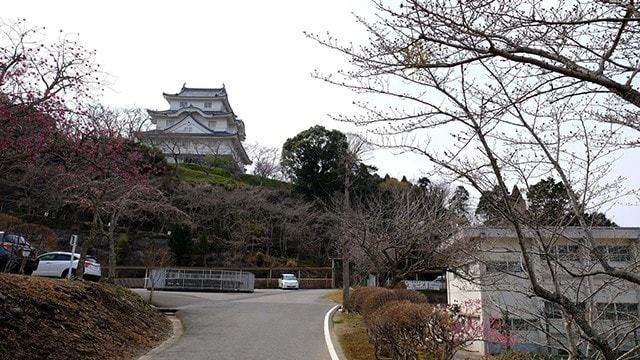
x,y
309,277
202,279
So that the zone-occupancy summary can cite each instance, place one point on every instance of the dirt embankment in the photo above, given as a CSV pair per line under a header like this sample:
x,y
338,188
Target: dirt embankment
x,y
60,319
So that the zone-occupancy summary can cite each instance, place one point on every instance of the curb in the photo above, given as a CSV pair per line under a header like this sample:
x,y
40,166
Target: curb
x,y
177,332
327,332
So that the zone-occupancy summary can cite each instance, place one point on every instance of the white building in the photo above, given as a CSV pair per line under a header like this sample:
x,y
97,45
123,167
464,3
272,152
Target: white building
x,y
495,278
199,122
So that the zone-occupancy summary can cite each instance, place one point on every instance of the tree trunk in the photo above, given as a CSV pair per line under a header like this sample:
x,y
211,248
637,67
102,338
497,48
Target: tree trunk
x,y
112,255
151,287
345,259
345,285
86,244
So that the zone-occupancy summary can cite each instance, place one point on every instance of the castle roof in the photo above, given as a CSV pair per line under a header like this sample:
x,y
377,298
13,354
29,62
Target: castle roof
x,y
199,92
212,133
188,109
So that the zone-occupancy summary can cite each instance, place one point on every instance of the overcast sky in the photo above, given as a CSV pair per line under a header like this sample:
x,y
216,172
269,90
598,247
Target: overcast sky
x,y
256,48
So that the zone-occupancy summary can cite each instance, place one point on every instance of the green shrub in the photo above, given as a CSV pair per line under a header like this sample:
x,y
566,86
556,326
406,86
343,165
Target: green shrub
x,y
122,246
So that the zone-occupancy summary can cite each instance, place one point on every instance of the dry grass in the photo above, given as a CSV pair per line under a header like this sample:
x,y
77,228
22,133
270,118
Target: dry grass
x,y
352,335
61,319
335,296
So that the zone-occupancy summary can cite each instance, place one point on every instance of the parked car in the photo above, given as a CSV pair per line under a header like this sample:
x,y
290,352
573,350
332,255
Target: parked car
x,y
15,244
14,249
56,264
288,281
8,261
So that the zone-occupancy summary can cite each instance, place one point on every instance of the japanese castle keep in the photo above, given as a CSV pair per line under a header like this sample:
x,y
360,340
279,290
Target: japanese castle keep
x,y
199,122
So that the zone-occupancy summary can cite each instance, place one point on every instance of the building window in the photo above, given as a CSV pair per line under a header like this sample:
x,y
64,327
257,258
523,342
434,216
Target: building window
x,y
506,266
615,253
183,104
207,104
565,252
514,324
618,311
552,310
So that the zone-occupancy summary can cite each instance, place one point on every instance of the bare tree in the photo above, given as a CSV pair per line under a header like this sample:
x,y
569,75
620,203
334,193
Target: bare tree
x,y
401,232
564,49
42,84
521,91
357,147
171,145
126,122
156,256
139,203
56,76
266,161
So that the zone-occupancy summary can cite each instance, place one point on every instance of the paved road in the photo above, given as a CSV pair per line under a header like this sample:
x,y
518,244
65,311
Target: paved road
x,y
267,324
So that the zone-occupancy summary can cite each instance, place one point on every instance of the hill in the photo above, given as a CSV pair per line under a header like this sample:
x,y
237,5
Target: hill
x,y
60,319
195,173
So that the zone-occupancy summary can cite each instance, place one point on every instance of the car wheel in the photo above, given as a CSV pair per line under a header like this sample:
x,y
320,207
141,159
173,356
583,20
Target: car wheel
x,y
66,271
92,278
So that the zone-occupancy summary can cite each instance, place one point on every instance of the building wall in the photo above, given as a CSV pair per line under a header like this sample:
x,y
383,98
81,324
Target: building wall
x,y
499,292
198,146
218,124
216,104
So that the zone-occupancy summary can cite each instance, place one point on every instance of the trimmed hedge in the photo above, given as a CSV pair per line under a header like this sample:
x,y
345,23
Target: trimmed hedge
x,y
515,355
402,325
365,300
406,330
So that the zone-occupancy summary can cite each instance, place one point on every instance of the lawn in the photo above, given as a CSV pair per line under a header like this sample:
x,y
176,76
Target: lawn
x,y
351,332
352,335
335,296
195,173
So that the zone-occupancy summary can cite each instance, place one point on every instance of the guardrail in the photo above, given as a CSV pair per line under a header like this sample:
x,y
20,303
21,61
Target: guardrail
x,y
203,279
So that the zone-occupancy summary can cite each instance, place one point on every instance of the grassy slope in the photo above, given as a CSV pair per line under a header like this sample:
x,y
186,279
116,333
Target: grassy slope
x,y
61,319
197,174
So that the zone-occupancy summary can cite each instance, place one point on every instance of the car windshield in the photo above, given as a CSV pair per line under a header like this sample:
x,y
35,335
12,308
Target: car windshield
x,y
288,277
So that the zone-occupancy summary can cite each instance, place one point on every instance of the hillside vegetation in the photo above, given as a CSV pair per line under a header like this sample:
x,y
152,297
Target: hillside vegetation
x,y
60,319
194,173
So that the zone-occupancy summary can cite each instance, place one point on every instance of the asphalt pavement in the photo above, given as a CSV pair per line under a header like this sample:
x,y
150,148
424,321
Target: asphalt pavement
x,y
264,325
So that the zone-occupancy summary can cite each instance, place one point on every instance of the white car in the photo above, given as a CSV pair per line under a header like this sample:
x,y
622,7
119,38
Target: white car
x,y
288,281
56,264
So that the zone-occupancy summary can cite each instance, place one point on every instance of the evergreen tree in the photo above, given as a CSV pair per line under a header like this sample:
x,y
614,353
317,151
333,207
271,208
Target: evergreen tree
x,y
549,205
181,244
459,202
312,160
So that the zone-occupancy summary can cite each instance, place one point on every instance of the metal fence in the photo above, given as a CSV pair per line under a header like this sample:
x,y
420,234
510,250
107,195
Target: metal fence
x,y
265,278
200,279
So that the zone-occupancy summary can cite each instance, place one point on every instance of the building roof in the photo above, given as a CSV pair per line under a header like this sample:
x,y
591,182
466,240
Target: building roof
x,y
210,134
200,92
598,232
189,108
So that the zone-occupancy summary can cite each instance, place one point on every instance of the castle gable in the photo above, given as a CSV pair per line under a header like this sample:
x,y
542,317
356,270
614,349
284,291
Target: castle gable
x,y
188,125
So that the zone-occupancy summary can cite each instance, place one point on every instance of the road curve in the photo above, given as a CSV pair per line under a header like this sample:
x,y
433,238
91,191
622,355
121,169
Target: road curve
x,y
265,325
